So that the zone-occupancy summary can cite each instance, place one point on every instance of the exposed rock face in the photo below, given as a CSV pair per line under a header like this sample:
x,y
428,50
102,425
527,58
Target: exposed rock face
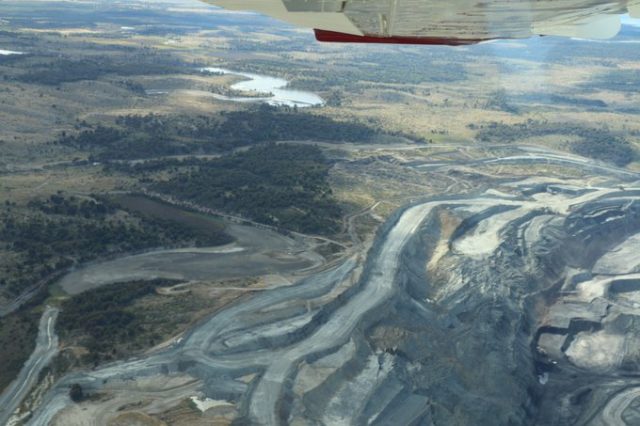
x,y
518,306
588,339
497,332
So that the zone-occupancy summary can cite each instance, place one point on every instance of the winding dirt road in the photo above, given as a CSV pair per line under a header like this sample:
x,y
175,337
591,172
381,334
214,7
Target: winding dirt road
x,y
46,349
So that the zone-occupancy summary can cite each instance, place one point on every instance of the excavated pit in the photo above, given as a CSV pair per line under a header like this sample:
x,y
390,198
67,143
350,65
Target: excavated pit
x,y
521,312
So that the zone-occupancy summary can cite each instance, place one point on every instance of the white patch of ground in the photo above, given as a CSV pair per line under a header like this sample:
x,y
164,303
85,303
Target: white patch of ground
x,y
561,313
497,193
623,259
485,238
562,204
596,351
204,404
441,249
589,290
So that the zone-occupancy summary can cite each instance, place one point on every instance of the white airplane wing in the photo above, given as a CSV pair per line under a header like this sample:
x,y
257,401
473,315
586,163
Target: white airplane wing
x,y
451,22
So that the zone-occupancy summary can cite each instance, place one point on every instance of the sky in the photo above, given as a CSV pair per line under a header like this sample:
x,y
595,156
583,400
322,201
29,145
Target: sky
x,y
627,20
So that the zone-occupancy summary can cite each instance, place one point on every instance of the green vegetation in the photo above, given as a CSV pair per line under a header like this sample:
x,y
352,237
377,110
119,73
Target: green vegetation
x,y
598,143
265,123
55,233
368,69
63,70
556,100
153,136
110,143
207,228
18,334
277,184
76,393
601,145
102,321
625,81
120,320
88,208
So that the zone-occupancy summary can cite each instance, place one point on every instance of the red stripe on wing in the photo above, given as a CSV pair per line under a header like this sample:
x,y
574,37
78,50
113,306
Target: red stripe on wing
x,y
336,37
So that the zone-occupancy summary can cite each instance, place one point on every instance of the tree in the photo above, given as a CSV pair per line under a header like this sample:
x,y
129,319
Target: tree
x,y
76,393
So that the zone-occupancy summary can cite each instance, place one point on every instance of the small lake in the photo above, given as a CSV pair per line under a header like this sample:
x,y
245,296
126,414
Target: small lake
x,y
262,84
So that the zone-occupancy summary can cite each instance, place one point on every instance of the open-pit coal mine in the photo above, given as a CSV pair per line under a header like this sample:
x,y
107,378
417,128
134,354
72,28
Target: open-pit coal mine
x,y
518,303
